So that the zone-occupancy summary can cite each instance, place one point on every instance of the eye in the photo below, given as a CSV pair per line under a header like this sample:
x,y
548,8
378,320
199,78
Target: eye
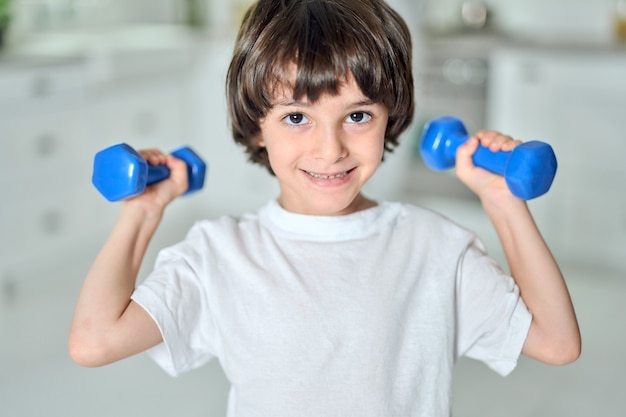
x,y
358,117
295,119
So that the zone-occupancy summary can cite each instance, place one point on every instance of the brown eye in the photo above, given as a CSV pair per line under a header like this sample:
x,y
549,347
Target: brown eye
x,y
358,117
295,118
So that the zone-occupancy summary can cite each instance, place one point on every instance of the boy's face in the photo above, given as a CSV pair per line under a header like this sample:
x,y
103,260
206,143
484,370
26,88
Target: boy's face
x,y
323,153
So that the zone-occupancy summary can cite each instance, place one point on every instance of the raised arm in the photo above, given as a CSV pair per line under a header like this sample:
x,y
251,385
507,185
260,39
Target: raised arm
x,y
108,326
554,336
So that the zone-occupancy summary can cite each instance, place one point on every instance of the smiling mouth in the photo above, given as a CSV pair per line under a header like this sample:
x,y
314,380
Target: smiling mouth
x,y
328,177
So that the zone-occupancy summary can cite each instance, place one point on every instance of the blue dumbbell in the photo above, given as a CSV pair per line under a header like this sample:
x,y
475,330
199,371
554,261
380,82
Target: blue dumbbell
x,y
120,172
528,169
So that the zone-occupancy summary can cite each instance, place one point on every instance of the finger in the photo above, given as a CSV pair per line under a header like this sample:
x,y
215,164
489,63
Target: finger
x,y
496,141
153,156
486,136
510,144
503,143
490,139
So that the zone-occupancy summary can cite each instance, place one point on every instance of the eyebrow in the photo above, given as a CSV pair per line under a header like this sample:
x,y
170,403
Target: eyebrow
x,y
297,103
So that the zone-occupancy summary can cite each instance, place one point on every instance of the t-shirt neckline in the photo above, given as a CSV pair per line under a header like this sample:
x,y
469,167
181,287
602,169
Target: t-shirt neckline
x,y
356,225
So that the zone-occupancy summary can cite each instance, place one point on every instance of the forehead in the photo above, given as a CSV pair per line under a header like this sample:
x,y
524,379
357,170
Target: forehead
x,y
288,86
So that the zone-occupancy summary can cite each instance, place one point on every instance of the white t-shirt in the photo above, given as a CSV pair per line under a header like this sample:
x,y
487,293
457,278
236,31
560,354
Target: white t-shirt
x,y
357,315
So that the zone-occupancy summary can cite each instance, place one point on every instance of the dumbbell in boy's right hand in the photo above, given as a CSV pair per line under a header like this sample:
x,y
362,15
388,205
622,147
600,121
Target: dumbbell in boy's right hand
x,y
120,173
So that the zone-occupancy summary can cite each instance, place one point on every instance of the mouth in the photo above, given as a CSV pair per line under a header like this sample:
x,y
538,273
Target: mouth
x,y
329,177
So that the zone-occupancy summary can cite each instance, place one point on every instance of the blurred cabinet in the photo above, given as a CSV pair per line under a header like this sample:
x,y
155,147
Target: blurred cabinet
x,y
42,134
53,118
576,101
451,79
145,115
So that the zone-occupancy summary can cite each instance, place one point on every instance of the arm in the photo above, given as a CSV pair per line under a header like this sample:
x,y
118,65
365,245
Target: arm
x,y
554,336
107,325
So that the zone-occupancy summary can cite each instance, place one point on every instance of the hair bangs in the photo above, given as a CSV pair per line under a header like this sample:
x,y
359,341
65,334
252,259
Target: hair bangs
x,y
324,49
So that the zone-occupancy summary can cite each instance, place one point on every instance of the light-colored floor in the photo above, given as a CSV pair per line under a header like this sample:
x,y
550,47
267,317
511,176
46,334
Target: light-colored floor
x,y
37,378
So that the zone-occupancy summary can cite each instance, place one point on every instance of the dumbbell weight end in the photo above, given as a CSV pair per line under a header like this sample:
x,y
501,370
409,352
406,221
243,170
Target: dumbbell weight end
x,y
196,168
121,172
530,169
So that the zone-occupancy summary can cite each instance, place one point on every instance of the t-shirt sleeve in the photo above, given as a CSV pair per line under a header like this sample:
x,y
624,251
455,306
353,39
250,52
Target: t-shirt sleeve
x,y
492,319
174,295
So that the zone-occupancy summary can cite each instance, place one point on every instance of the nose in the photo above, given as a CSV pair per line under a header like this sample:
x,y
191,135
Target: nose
x,y
329,144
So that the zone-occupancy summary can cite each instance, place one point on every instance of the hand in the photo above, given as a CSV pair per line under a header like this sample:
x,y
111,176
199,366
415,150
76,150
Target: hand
x,y
484,183
160,194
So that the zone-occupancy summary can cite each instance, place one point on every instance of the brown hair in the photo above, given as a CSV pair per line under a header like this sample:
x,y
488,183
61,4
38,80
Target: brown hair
x,y
326,40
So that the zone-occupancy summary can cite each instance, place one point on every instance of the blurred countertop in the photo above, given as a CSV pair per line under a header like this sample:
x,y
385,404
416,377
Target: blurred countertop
x,y
108,56
483,42
170,45
176,44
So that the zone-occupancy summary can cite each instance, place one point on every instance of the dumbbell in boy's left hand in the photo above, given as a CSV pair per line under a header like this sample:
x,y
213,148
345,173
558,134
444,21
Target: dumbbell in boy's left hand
x,y
161,193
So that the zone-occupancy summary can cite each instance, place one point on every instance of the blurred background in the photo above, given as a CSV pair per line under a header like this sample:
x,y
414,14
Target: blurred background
x,y
78,76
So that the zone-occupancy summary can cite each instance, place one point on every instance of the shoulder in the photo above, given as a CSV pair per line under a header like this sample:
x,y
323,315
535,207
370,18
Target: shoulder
x,y
222,229
221,235
431,228
424,217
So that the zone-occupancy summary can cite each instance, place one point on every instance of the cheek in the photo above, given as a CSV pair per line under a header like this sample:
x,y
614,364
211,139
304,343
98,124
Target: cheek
x,y
380,133
279,156
378,146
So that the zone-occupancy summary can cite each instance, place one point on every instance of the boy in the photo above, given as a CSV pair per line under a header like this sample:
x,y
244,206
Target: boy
x,y
326,302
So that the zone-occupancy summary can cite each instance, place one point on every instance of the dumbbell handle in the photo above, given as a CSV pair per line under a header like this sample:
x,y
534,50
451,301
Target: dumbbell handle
x,y
157,173
484,157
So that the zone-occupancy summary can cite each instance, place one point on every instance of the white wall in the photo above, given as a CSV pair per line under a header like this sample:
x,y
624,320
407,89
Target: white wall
x,y
579,20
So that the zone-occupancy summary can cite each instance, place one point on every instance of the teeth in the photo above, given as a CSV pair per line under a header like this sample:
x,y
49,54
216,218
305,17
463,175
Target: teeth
x,y
327,177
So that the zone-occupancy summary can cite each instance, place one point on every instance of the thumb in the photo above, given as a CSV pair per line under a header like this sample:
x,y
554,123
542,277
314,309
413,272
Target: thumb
x,y
178,173
464,153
